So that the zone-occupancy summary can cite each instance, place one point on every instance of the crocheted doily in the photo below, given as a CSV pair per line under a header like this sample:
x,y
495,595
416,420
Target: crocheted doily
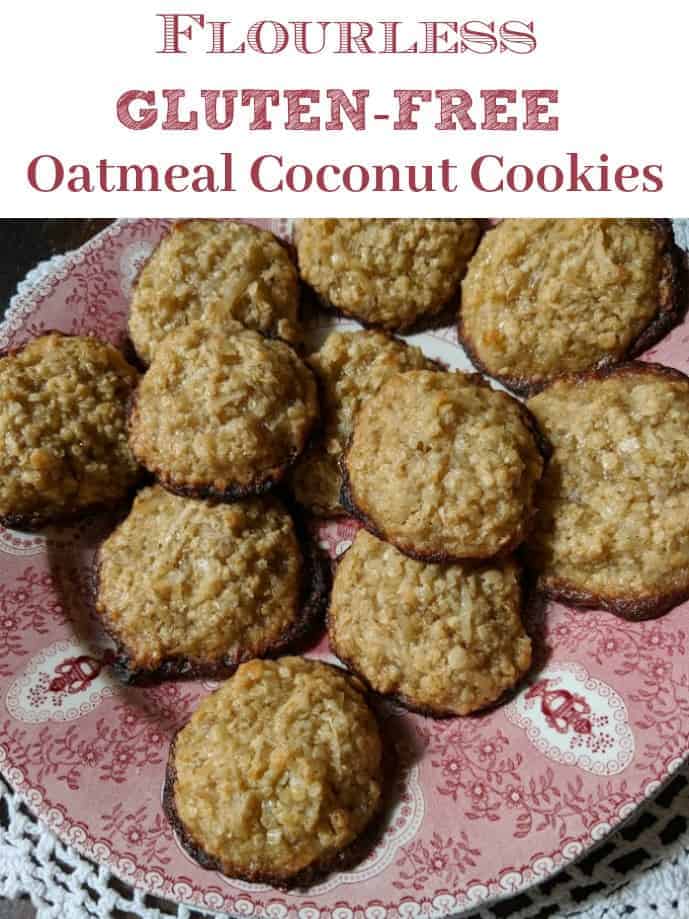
x,y
642,869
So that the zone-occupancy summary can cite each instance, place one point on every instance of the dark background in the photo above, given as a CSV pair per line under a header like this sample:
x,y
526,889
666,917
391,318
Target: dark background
x,y
25,243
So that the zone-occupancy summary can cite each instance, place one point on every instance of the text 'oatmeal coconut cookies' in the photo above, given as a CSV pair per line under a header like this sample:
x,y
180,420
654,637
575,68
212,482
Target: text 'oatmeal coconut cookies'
x,y
277,774
547,297
214,271
350,366
188,587
63,430
390,273
611,531
442,639
443,467
222,414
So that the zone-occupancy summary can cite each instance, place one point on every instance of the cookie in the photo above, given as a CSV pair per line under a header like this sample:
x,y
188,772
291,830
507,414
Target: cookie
x,y
611,531
63,432
277,774
222,414
390,273
350,366
547,297
443,466
213,271
441,639
188,587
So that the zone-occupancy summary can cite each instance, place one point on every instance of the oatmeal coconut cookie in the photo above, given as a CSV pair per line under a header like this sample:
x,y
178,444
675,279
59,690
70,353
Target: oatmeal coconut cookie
x,y
188,587
213,271
442,639
277,774
443,466
611,531
63,430
350,366
222,414
546,297
385,272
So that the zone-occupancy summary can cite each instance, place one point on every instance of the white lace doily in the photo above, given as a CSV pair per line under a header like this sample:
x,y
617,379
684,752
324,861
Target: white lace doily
x,y
641,870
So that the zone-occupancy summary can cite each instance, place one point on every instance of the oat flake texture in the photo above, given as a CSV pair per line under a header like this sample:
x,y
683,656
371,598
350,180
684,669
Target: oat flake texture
x,y
214,271
611,529
546,297
443,466
444,639
207,583
350,366
385,272
222,413
63,404
279,770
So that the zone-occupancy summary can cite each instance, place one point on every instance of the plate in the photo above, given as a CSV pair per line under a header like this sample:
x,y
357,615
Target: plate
x,y
602,723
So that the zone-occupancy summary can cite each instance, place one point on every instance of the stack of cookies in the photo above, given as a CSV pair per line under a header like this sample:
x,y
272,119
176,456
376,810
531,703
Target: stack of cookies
x,y
231,435
557,310
441,470
443,473
209,569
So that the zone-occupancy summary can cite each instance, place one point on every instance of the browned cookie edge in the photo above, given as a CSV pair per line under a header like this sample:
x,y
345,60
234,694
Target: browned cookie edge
x,y
409,702
632,608
343,860
315,582
673,300
30,523
349,502
141,364
235,492
428,319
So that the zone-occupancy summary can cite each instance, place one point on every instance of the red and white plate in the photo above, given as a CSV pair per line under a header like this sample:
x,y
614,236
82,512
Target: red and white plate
x,y
485,806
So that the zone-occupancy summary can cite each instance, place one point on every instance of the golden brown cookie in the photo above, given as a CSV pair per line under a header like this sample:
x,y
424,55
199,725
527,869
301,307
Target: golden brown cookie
x,y
442,639
63,435
611,531
192,588
222,414
547,297
349,366
385,272
213,271
443,466
277,774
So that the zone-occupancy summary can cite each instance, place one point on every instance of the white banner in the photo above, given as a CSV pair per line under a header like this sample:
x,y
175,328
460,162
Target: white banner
x,y
510,107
